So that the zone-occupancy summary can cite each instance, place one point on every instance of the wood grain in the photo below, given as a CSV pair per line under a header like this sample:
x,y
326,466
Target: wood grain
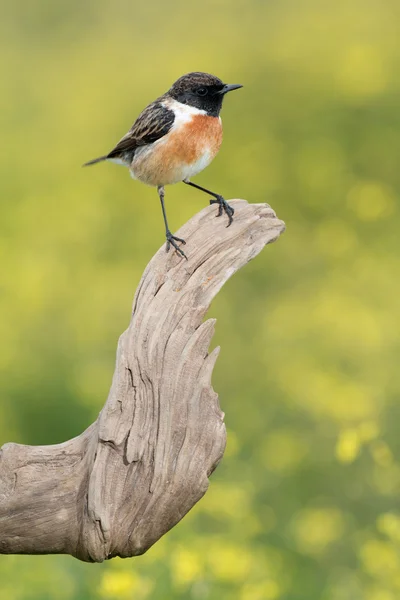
x,y
132,475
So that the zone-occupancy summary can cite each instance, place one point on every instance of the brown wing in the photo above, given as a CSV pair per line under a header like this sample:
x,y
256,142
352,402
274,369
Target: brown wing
x,y
152,124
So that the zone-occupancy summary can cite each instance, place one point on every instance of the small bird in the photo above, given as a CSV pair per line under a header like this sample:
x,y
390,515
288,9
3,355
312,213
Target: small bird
x,y
174,138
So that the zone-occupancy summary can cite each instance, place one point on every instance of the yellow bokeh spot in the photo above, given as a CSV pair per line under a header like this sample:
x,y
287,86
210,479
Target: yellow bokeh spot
x,y
357,328
228,562
389,524
315,529
361,71
267,590
379,559
327,393
124,584
348,445
371,200
187,566
380,594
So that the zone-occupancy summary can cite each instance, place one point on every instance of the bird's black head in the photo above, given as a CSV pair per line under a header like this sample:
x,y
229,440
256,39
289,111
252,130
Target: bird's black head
x,y
201,90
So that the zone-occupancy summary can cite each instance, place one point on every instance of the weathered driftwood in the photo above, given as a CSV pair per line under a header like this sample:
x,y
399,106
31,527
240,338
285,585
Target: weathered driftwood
x,y
132,475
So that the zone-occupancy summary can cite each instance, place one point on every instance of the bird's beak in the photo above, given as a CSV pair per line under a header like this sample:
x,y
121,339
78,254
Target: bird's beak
x,y
229,87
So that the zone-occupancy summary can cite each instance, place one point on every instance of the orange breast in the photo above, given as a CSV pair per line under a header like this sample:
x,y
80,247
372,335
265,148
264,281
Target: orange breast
x,y
189,141
183,152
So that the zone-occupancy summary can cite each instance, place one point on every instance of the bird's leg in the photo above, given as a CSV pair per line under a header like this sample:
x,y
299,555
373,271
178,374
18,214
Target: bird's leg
x,y
171,239
223,205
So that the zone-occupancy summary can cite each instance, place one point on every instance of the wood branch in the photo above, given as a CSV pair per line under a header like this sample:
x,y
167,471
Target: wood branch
x,y
132,475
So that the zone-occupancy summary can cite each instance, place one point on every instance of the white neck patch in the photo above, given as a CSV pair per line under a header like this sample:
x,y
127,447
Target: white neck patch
x,y
183,112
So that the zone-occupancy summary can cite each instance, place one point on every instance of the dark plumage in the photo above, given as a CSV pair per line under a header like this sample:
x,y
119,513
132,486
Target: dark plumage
x,y
186,90
153,123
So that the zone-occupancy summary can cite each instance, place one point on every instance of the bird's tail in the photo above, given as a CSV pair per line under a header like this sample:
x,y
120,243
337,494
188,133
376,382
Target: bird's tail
x,y
95,160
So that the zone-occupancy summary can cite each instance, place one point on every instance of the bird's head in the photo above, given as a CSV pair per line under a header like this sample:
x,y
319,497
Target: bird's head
x,y
201,90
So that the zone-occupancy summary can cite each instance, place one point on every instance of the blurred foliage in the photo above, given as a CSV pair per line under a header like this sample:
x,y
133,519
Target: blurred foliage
x,y
305,504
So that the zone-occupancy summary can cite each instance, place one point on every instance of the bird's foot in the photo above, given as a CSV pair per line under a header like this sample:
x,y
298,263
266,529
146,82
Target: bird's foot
x,y
171,241
223,206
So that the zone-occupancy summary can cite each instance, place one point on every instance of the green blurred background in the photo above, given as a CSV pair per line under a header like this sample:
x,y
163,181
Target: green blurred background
x,y
305,505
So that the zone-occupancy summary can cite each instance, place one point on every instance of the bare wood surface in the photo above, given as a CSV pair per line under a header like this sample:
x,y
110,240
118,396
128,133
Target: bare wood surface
x,y
132,475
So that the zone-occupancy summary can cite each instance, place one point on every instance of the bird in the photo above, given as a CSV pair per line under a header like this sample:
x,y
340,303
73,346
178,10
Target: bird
x,y
174,138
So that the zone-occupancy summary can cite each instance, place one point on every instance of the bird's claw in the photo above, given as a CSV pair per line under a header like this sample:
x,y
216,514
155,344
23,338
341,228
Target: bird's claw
x,y
171,241
223,206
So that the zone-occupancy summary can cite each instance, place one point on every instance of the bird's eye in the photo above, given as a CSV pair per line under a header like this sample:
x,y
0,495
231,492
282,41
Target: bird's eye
x,y
202,91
